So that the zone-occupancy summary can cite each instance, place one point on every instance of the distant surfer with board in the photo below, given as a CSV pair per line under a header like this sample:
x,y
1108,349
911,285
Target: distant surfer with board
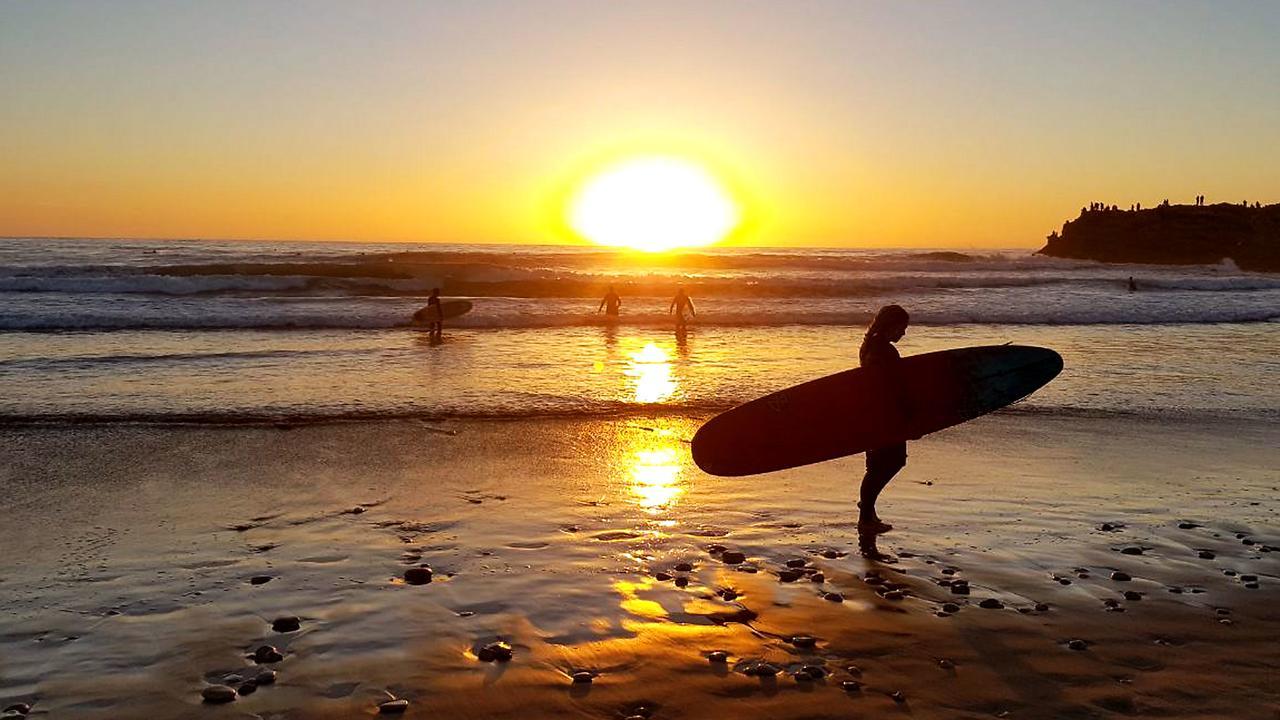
x,y
679,304
877,350
610,303
432,314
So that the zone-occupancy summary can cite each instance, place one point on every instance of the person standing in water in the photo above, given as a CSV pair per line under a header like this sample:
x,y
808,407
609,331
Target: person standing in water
x,y
432,314
610,303
679,304
877,350
1133,286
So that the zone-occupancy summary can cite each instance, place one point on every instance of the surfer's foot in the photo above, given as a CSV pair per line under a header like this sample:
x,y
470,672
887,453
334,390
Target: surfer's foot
x,y
874,526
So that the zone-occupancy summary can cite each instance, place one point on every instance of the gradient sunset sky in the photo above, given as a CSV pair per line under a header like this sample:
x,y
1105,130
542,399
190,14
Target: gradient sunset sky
x,y
833,123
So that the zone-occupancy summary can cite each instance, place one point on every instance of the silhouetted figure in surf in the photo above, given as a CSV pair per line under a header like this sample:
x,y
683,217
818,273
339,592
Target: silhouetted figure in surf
x,y
877,350
433,314
679,304
1133,286
610,303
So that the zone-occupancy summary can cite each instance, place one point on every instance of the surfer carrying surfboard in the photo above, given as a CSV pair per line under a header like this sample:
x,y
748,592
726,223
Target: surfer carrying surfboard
x,y
434,313
679,304
877,350
610,303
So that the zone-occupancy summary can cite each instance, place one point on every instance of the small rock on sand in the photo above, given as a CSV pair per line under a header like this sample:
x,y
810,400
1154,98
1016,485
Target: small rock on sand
x,y
1042,607
946,664
260,579
789,575
851,686
247,688
286,623
19,708
1206,555
682,581
393,707
818,578
266,677
418,575
583,677
661,576
991,604
898,696
684,567
732,557
761,669
854,670
796,563
833,597
498,651
803,641
959,588
1132,595
267,654
1077,644
950,607
1120,576
1248,578
898,594
813,672
1131,550
218,694
718,656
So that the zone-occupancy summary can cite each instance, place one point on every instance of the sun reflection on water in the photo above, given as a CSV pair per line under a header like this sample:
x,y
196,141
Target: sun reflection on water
x,y
650,370
655,479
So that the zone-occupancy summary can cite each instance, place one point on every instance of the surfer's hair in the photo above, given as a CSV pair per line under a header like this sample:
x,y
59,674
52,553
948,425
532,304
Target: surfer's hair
x,y
890,316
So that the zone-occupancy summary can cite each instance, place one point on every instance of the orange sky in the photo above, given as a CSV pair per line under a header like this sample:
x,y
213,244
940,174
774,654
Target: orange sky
x,y
833,123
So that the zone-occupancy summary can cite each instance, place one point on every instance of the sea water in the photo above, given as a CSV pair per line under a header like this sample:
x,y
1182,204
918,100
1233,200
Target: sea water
x,y
208,331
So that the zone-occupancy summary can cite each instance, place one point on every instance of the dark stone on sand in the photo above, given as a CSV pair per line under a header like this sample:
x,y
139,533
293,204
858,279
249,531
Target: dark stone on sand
x,y
761,669
789,575
1110,527
950,607
661,576
898,696
1247,541
1175,590
1184,525
729,594
1110,602
991,604
682,581
716,549
20,708
583,677
1119,576
948,571
1206,555
1229,573
393,707
732,557
232,679
286,623
266,676
894,595
218,694
818,578
833,597
1251,586
718,656
814,672
260,579
803,641
854,670
851,686
1042,607
498,651
684,567
946,664
1131,550
418,575
959,588
267,654
796,563
832,554
1077,644
247,688
1249,578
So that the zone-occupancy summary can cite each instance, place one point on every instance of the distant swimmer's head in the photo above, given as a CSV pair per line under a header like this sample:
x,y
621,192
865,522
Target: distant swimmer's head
x,y
890,323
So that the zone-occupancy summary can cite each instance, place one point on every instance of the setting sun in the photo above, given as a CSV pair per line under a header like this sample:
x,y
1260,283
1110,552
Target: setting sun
x,y
653,204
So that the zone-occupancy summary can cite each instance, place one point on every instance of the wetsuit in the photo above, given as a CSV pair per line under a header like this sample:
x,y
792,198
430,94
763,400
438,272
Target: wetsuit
x,y
889,459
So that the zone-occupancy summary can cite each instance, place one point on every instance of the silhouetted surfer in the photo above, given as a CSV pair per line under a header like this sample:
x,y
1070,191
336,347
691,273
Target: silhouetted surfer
x,y
1133,286
432,314
877,350
679,304
610,303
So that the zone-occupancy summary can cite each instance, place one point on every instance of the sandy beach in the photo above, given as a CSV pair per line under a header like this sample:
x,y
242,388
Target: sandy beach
x,y
144,563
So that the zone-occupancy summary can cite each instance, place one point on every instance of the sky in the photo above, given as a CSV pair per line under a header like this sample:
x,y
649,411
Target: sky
x,y
903,124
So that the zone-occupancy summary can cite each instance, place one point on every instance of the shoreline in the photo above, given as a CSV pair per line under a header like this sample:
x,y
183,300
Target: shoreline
x,y
129,582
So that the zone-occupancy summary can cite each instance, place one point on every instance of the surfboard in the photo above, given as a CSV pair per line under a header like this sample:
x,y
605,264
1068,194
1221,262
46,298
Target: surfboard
x,y
448,309
856,410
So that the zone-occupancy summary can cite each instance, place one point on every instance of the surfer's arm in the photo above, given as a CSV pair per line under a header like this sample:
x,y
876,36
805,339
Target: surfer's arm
x,y
691,310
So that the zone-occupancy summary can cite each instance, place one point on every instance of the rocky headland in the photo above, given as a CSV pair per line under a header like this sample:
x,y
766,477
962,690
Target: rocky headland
x,y
1248,235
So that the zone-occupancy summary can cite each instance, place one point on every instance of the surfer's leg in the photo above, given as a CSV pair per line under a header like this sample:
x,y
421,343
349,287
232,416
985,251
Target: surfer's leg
x,y
882,464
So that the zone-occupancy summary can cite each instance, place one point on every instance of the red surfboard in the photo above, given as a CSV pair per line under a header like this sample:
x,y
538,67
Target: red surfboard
x,y
857,410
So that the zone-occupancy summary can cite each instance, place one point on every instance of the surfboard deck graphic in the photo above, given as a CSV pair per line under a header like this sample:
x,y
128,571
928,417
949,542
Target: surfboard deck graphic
x,y
857,410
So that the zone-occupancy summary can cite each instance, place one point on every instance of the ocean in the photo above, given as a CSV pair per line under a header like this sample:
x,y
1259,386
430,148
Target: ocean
x,y
298,332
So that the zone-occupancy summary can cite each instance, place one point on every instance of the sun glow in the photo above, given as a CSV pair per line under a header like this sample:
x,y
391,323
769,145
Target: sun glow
x,y
653,204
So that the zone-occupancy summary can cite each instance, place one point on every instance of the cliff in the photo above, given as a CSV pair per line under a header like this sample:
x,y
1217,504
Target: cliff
x,y
1174,235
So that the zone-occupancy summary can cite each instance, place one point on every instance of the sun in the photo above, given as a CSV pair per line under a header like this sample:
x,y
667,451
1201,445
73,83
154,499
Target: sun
x,y
653,204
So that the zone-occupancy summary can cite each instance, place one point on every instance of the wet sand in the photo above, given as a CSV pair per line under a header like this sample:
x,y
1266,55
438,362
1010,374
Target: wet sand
x,y
130,556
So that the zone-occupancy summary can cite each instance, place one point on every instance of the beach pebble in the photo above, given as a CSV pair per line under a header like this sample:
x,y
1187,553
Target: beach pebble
x,y
718,656
1119,576
898,696
832,554
950,607
851,685
1175,589
991,604
896,594
1132,595
959,588
817,577
946,664
789,575
232,679
1251,586
20,708
583,677
812,672
684,567
1042,607
218,694
803,641
729,594
1184,525
761,669
716,549
796,563
1077,644
661,576
418,575
1131,550
247,688
393,707
854,670
266,676
267,654
1248,578
1206,555
495,651
833,597
260,579
1110,527
1229,573
732,557
682,581
286,623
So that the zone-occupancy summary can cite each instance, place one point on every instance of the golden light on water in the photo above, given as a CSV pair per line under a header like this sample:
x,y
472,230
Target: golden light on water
x,y
655,478
650,371
653,204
